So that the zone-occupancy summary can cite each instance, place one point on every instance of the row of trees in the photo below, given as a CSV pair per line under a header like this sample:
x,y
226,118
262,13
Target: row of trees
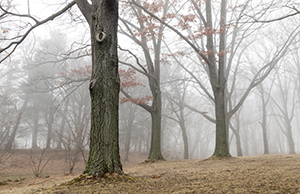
x,y
200,61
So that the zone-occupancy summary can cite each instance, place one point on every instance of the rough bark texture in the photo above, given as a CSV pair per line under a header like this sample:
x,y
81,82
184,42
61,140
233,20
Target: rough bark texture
x,y
104,156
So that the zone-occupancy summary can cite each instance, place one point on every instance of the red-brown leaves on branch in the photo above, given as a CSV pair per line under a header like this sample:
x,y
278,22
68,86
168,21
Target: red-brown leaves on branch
x,y
81,72
128,78
223,53
154,7
200,2
168,16
138,101
185,20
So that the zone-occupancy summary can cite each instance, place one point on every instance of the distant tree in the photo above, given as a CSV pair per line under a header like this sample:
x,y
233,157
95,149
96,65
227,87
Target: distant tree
x,y
177,108
148,35
11,138
285,105
265,99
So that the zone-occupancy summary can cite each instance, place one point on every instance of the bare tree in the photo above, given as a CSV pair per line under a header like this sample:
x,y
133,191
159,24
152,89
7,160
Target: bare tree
x,y
148,35
217,65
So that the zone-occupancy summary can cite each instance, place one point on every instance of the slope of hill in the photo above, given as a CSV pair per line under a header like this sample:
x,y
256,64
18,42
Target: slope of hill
x,y
249,174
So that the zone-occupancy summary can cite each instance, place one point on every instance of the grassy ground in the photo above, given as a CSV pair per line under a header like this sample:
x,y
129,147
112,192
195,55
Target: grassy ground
x,y
251,174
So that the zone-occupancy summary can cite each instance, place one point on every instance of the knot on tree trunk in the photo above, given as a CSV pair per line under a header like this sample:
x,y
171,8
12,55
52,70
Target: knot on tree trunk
x,y
100,36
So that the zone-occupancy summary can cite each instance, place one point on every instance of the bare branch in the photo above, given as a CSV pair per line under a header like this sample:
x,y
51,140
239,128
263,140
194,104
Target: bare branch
x,y
174,30
38,23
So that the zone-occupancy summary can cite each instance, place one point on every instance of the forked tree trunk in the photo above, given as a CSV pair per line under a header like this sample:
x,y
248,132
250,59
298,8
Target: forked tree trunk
x,y
104,157
218,81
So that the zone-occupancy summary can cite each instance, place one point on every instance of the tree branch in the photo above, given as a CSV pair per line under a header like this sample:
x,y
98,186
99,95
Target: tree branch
x,y
144,106
174,30
38,23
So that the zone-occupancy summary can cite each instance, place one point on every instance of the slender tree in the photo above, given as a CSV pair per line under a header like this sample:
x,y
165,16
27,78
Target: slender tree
x,y
148,35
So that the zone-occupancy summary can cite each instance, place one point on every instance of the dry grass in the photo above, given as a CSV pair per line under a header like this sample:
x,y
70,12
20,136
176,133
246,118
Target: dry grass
x,y
251,174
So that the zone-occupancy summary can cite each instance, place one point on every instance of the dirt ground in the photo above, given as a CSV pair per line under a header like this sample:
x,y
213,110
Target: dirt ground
x,y
249,174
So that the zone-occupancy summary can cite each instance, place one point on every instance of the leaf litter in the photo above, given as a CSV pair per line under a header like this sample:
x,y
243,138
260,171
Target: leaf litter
x,y
275,173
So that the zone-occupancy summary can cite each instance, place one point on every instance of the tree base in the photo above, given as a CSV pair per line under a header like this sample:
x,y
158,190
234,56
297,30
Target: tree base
x,y
152,161
86,179
220,157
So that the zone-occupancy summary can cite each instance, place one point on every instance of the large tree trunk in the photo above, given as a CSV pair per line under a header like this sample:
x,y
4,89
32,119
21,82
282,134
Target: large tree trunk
x,y
155,146
104,155
219,83
221,148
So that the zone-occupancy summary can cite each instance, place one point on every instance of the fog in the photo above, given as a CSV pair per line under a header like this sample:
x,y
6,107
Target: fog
x,y
45,100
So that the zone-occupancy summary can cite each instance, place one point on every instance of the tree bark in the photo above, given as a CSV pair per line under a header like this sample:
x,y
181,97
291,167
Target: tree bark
x,y
155,146
218,81
104,157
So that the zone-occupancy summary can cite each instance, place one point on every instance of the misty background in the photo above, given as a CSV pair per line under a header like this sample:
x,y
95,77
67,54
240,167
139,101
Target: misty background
x,y
45,100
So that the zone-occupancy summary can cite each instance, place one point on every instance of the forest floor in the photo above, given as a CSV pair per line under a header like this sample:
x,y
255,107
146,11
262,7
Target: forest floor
x,y
273,173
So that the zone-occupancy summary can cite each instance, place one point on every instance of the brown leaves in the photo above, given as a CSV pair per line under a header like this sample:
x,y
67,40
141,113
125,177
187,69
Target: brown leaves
x,y
168,16
128,78
74,74
185,20
154,7
155,176
79,72
138,101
